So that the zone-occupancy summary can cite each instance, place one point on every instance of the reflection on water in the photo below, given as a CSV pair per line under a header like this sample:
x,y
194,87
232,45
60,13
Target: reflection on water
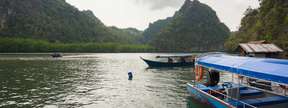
x,y
91,81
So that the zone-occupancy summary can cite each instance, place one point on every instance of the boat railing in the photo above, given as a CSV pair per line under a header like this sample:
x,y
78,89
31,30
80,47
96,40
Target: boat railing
x,y
280,91
275,92
235,102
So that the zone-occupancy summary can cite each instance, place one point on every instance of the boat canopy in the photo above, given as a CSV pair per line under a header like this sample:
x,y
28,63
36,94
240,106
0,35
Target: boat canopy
x,y
275,70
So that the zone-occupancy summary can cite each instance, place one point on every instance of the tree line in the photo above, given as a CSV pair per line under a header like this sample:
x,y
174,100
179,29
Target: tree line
x,y
14,45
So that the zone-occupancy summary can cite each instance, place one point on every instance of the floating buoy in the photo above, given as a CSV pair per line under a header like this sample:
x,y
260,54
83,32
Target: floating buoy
x,y
130,75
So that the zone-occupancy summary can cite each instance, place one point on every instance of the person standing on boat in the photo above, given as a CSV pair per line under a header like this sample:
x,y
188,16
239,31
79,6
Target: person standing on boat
x,y
182,59
170,60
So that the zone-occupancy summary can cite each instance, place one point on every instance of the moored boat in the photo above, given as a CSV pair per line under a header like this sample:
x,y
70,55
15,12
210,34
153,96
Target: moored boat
x,y
237,93
185,61
56,55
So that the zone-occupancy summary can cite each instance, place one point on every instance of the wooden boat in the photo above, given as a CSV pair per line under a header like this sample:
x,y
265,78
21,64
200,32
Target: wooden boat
x,y
238,93
154,64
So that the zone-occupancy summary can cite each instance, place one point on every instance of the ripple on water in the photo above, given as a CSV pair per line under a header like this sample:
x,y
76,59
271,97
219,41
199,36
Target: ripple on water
x,y
8,103
99,81
50,106
3,91
30,79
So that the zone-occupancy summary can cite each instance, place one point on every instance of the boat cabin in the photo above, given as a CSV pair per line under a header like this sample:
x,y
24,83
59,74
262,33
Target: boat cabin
x,y
182,58
219,81
259,49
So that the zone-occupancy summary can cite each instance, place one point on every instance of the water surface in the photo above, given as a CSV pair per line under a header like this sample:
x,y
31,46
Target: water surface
x,y
91,81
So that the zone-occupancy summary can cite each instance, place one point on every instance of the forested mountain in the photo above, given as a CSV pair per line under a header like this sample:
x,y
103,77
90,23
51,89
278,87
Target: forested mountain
x,y
154,29
269,22
127,35
55,21
195,27
55,24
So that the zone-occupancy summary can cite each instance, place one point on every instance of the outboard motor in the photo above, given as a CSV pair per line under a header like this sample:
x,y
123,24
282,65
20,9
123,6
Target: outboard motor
x,y
130,75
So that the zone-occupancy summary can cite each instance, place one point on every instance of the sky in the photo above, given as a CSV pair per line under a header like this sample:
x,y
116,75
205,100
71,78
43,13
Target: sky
x,y
139,13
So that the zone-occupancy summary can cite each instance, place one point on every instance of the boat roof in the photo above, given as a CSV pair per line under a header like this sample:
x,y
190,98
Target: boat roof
x,y
260,48
269,69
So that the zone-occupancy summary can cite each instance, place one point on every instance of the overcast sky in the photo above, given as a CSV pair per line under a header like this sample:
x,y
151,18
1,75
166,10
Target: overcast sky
x,y
139,13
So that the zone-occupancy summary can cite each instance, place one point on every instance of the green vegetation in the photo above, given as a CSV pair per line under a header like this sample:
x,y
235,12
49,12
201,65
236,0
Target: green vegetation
x,y
269,22
195,27
14,45
154,29
56,21
128,35
55,25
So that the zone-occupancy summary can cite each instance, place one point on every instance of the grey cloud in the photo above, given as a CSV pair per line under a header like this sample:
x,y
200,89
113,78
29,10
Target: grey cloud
x,y
160,4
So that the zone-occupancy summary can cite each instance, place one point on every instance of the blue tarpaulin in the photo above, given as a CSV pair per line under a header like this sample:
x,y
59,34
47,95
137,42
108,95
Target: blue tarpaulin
x,y
275,70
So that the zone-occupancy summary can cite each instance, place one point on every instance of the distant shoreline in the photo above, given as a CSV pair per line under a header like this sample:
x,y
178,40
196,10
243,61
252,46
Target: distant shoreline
x,y
26,45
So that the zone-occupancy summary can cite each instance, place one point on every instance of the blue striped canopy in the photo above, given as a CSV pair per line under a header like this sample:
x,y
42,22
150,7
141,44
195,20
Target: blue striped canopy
x,y
275,70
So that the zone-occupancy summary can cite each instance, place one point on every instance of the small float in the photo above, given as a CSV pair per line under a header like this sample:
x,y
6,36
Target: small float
x,y
237,92
172,61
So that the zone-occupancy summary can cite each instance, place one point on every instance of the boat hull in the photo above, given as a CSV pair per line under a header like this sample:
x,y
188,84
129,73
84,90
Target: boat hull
x,y
166,64
206,98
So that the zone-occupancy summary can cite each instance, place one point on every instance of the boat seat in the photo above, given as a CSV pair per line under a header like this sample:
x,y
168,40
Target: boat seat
x,y
250,92
220,87
236,103
217,87
206,89
266,101
202,87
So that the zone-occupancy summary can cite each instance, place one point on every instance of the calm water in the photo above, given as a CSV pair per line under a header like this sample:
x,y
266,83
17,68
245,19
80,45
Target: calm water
x,y
91,81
